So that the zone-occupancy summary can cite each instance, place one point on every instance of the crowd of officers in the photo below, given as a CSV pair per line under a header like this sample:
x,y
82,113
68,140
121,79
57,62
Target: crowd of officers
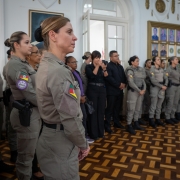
x,y
46,100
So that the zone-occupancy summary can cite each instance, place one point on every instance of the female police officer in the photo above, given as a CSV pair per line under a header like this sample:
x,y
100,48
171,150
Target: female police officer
x,y
173,90
58,95
136,89
159,82
24,117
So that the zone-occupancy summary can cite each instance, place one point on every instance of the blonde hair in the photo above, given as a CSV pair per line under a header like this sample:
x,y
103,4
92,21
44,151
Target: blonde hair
x,y
52,23
86,55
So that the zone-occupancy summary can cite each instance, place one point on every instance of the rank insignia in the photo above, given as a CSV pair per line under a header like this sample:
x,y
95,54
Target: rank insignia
x,y
167,74
130,76
24,76
152,73
71,91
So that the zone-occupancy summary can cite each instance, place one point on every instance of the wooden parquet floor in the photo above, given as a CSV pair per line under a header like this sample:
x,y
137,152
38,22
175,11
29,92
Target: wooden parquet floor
x,y
153,154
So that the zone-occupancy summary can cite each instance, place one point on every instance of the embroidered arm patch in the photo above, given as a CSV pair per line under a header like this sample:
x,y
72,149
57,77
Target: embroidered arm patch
x,y
24,76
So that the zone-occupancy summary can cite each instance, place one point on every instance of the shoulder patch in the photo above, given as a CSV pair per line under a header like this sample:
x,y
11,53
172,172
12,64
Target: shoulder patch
x,y
24,76
21,84
71,91
130,76
167,74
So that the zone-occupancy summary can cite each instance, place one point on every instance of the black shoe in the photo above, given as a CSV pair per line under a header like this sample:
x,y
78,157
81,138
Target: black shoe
x,y
119,125
137,126
158,122
141,122
2,137
168,121
5,167
146,117
152,123
109,131
174,120
130,129
13,156
177,115
162,115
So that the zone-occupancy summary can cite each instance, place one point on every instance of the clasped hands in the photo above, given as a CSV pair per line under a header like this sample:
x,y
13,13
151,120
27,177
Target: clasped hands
x,y
83,153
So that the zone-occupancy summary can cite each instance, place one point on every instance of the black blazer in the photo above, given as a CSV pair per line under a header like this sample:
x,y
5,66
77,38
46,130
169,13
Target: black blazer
x,y
116,76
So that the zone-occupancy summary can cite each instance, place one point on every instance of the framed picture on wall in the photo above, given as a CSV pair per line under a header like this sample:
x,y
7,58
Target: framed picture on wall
x,y
171,50
163,51
171,35
163,40
155,34
154,48
36,18
178,51
178,36
163,34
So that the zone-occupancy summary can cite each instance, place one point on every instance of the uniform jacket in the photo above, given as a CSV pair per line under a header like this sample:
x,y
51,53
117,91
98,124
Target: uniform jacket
x,y
21,79
116,76
157,76
83,76
135,77
173,74
58,97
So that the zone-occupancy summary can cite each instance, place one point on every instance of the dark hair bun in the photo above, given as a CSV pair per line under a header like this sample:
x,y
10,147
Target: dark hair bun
x,y
38,34
7,42
132,59
8,52
84,57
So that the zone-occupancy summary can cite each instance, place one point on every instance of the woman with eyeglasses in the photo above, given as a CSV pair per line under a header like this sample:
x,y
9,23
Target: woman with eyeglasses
x,y
34,60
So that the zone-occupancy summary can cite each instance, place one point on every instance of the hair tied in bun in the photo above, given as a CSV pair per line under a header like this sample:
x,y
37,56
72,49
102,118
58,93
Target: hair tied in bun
x,y
38,34
7,42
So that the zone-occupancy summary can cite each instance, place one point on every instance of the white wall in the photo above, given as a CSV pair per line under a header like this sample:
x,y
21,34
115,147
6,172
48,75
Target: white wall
x,y
16,18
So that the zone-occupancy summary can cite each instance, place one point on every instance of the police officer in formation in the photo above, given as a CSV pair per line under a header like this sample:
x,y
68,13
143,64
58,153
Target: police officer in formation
x,y
136,90
159,82
173,90
25,118
147,99
62,142
8,100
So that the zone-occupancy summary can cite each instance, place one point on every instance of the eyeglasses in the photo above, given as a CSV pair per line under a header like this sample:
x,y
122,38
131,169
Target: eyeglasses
x,y
37,53
74,62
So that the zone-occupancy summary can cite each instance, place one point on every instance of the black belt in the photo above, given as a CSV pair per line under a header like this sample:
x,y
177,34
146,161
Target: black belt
x,y
141,88
22,102
161,83
97,84
53,126
174,84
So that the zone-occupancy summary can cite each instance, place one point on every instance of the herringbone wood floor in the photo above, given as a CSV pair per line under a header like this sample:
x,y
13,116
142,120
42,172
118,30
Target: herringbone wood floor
x,y
153,154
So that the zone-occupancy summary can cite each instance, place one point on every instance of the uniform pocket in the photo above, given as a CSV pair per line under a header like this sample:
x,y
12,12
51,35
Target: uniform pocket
x,y
130,105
